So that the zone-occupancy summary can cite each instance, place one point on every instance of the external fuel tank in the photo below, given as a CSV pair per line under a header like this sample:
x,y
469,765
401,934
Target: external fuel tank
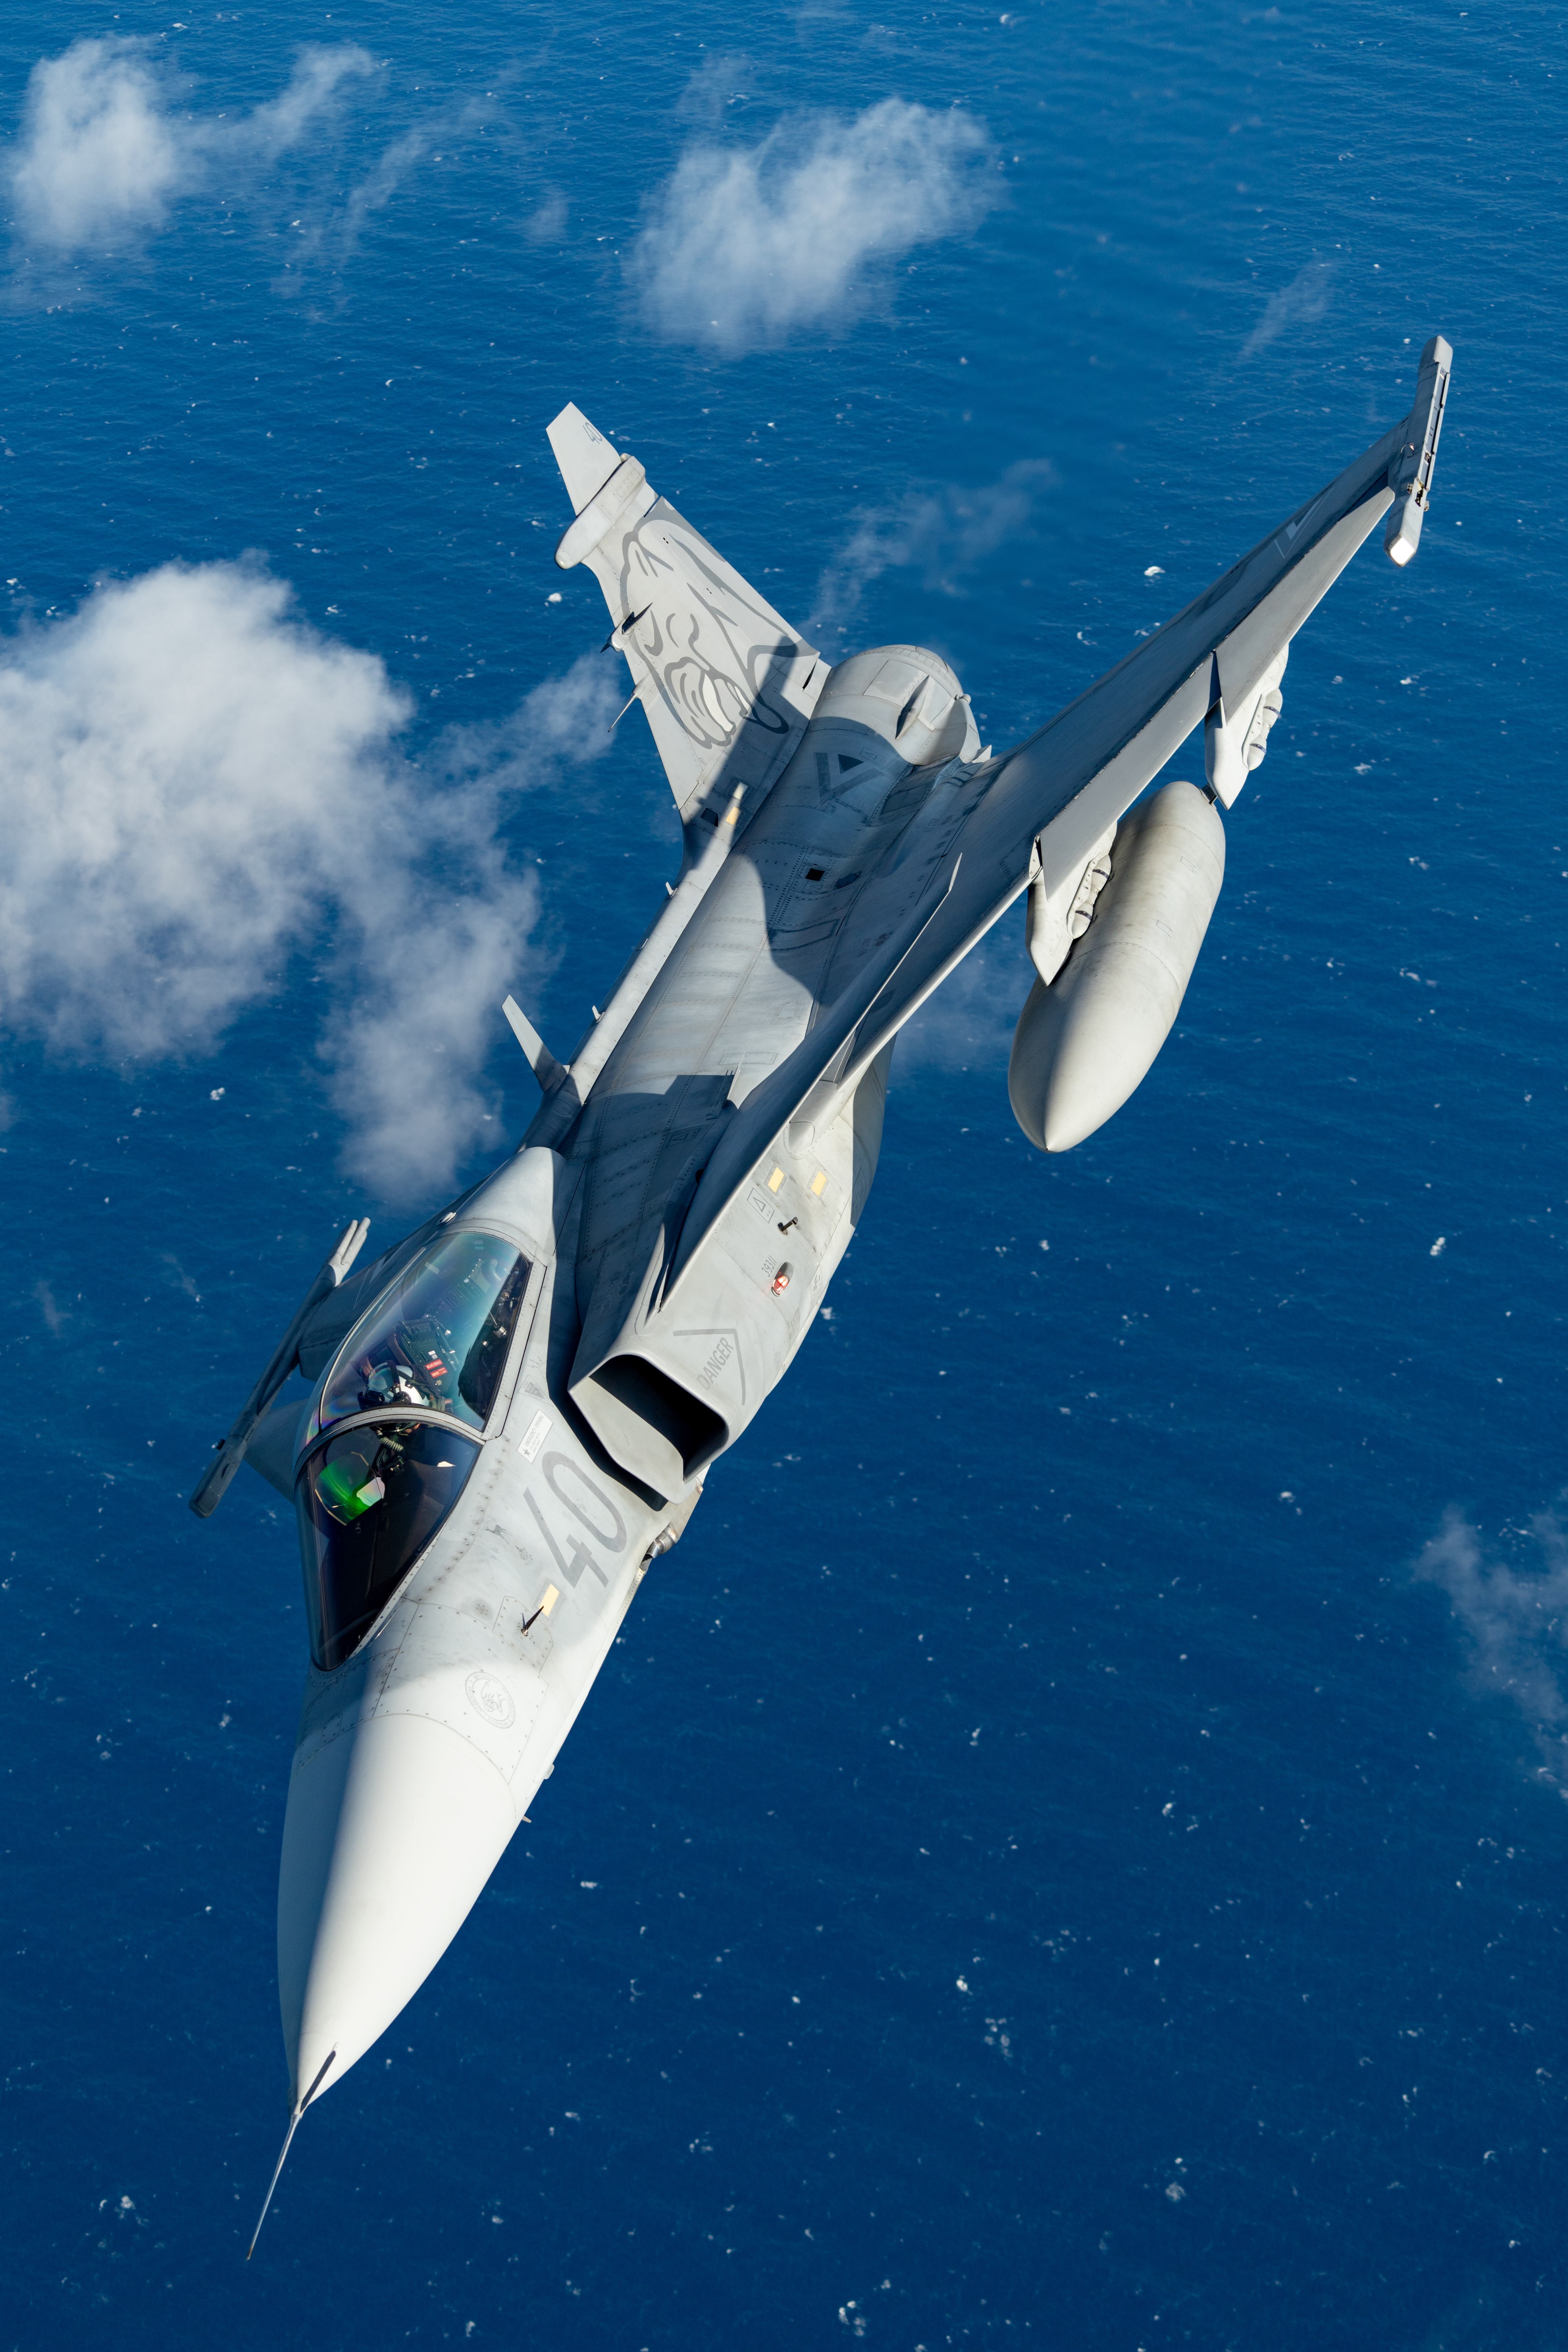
x,y
1085,1042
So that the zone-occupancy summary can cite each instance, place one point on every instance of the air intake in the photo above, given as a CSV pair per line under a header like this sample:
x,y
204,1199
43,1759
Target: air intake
x,y
648,1423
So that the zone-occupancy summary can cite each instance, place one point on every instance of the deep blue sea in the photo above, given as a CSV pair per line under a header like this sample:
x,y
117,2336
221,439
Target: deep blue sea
x,y
1072,1848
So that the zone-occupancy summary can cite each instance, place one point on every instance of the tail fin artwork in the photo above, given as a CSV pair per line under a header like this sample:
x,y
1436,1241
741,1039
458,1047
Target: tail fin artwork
x,y
726,683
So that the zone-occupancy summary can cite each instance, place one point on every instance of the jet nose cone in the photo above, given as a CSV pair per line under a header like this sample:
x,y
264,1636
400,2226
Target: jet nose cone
x,y
391,1830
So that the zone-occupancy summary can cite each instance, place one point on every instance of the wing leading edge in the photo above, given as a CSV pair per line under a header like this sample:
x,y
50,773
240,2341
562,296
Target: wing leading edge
x,y
726,683
1047,803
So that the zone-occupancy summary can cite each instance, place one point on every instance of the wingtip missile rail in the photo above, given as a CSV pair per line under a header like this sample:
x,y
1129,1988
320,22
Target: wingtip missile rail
x,y
1410,474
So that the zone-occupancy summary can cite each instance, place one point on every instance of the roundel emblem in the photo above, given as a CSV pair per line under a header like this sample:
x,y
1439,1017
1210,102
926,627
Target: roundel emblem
x,y
491,1699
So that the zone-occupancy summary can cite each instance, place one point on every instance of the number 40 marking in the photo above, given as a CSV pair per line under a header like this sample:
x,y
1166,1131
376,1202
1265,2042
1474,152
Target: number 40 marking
x,y
576,1558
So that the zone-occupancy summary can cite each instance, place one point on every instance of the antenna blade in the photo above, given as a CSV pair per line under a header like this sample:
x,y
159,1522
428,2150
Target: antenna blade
x,y
550,1073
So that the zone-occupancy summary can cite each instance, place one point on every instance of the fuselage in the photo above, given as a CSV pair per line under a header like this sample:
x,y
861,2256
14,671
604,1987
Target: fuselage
x,y
540,1474
515,1409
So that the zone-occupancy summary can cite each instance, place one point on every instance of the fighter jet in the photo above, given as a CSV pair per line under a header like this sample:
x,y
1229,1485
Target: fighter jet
x,y
512,1410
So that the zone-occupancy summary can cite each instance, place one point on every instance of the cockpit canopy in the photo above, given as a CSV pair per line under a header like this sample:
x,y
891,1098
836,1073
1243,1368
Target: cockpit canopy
x,y
368,1503
438,1340
370,1497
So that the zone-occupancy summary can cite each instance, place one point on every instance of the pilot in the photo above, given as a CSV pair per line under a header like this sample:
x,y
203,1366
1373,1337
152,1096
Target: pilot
x,y
391,1383
416,1369
433,1356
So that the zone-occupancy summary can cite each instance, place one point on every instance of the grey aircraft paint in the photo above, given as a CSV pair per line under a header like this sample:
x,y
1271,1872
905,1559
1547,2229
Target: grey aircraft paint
x,y
514,1409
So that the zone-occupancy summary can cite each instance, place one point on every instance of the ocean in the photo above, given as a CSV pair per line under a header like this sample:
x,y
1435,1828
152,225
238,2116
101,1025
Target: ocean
x,y
1071,1848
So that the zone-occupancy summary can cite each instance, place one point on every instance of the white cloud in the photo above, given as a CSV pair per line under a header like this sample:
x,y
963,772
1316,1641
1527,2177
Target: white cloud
x,y
99,156
943,534
1306,299
283,122
744,246
547,224
1517,1626
333,235
723,79
328,239
106,148
200,786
